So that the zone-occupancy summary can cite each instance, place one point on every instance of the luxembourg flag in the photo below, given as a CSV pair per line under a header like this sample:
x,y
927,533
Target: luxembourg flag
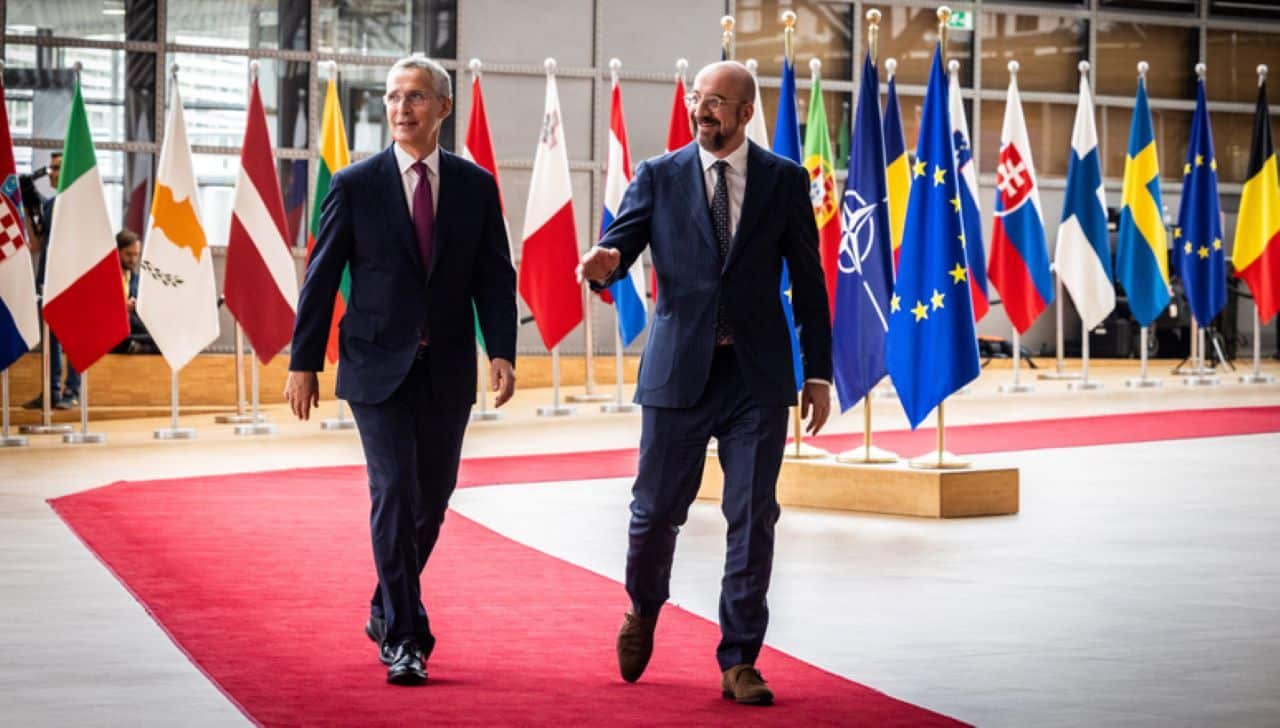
x,y
627,293
1019,254
970,213
1083,257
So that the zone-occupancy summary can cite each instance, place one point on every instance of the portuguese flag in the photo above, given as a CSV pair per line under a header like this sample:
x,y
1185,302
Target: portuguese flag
x,y
822,189
1257,247
334,155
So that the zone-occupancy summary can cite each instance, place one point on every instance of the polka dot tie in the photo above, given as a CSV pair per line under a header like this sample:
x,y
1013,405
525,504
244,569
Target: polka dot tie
x,y
720,225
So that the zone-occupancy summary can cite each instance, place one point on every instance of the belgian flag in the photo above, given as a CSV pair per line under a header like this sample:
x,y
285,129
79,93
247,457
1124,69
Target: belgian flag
x,y
1257,245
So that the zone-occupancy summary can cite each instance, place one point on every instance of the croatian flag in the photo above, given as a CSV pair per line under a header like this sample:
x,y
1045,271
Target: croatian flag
x,y
19,322
628,292
1019,254
970,213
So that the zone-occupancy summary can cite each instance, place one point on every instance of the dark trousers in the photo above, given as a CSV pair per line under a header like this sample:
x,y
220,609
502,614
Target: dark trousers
x,y
412,447
673,449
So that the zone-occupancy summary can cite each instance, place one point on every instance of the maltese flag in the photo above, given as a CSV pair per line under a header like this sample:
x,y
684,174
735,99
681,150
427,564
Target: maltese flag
x,y
627,292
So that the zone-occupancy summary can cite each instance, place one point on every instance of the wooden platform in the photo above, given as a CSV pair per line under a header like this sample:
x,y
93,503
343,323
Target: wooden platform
x,y
893,489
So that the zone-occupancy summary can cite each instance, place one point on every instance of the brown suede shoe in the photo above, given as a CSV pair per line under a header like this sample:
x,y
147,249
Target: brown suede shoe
x,y
635,645
744,684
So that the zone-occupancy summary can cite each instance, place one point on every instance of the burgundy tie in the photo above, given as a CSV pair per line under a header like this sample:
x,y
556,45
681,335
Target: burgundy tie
x,y
424,214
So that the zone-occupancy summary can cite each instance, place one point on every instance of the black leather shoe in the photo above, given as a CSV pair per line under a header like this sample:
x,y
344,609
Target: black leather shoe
x,y
407,667
376,630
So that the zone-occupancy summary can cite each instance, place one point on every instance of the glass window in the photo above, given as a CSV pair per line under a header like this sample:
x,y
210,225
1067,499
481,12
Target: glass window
x,y
1172,131
239,23
1181,7
909,35
215,96
1047,47
832,101
1245,8
824,30
1048,128
1171,51
43,82
67,20
1233,61
1232,138
389,28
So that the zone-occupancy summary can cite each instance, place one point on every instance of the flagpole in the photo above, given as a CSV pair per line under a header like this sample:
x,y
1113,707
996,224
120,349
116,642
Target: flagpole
x,y
482,361
1084,384
257,425
1060,372
618,405
7,440
173,432
556,409
727,48
46,426
340,422
589,393
1257,377
83,437
1143,381
1017,387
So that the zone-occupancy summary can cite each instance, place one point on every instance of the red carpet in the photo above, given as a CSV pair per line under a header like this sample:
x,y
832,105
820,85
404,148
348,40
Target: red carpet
x,y
262,579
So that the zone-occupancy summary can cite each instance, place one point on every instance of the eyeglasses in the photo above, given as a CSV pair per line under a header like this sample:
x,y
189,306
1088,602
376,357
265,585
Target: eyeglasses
x,y
413,98
713,102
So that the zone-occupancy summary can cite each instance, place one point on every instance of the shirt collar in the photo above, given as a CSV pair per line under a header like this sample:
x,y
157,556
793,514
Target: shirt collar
x,y
406,160
737,159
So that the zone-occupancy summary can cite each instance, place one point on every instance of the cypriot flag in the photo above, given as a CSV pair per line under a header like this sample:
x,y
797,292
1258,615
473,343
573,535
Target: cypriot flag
x,y
177,296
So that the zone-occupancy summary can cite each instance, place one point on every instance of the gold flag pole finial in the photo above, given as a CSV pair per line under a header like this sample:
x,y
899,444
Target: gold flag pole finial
x,y
873,33
788,36
726,37
1262,74
944,14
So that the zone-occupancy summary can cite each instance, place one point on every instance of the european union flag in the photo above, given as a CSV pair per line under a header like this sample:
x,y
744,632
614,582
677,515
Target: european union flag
x,y
932,346
1202,260
864,281
786,142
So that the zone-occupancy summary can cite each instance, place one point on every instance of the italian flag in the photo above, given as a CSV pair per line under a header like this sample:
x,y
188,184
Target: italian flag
x,y
334,155
822,189
84,301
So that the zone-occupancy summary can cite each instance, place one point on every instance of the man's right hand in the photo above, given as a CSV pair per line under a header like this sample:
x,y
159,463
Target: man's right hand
x,y
302,391
598,264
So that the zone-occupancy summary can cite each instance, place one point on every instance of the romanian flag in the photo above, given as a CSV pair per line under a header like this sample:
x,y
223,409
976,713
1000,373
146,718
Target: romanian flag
x,y
334,155
1142,260
1257,246
822,188
897,166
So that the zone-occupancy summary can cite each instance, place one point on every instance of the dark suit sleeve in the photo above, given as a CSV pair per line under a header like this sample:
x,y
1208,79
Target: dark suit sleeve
x,y
630,231
329,258
808,288
493,280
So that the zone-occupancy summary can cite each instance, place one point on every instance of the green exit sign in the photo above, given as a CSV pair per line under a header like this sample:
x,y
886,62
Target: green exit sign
x,y
960,20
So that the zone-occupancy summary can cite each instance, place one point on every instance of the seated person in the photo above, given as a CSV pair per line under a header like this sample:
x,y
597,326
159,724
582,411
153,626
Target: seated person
x,y
129,248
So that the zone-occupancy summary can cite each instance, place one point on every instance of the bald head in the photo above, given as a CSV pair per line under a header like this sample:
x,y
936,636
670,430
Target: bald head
x,y
725,95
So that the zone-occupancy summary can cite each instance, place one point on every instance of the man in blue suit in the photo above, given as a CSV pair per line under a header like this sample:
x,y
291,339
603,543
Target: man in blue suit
x,y
422,233
720,217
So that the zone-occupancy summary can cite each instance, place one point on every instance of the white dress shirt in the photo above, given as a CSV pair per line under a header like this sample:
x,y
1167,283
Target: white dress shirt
x,y
409,178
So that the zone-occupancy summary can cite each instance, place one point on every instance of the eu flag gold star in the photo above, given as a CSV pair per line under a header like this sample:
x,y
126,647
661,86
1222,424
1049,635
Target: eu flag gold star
x,y
936,299
1203,252
920,311
958,274
895,303
1199,160
1186,169
961,236
1213,164
939,175
1217,243
955,202
1177,233
1187,247
918,168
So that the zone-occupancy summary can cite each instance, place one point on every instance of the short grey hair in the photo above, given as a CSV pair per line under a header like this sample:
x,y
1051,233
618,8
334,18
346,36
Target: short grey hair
x,y
440,82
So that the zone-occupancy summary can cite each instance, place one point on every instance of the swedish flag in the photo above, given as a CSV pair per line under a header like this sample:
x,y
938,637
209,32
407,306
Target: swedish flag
x,y
932,347
1197,240
1142,258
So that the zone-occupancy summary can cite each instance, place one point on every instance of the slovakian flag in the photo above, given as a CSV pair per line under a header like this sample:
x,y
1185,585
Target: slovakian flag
x,y
897,165
1142,260
478,147
84,302
334,155
628,292
1019,253
261,281
1083,257
966,167
865,281
1197,240
177,295
786,143
19,317
822,186
1256,253
932,349
550,251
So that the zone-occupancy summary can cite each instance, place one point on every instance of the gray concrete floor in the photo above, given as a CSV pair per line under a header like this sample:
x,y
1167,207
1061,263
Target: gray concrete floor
x,y
1137,587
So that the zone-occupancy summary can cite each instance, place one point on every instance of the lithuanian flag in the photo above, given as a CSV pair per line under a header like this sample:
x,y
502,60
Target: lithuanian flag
x,y
334,155
1256,255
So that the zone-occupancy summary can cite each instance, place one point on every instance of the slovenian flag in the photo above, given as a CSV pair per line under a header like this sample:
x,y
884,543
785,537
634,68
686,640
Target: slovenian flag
x,y
966,167
628,292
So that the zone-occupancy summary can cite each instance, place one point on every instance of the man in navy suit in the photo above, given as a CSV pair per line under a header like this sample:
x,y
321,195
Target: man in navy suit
x,y
720,217
422,233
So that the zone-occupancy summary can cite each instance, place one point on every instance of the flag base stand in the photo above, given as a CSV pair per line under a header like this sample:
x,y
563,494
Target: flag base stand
x,y
883,392
892,489
587,398
1257,379
45,429
245,419
1015,388
13,441
255,429
1143,383
939,461
555,411
867,456
1084,385
804,451
1059,376
338,424
172,433
1202,380
486,416
614,408
83,438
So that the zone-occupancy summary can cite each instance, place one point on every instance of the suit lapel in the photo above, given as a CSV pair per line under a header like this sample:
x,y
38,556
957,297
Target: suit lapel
x,y
760,183
399,213
695,184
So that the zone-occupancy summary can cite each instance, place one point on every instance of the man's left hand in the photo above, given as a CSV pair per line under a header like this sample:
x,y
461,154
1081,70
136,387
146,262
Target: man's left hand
x,y
502,379
815,398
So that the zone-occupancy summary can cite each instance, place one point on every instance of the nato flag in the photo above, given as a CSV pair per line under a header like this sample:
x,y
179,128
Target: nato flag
x,y
932,347
864,281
